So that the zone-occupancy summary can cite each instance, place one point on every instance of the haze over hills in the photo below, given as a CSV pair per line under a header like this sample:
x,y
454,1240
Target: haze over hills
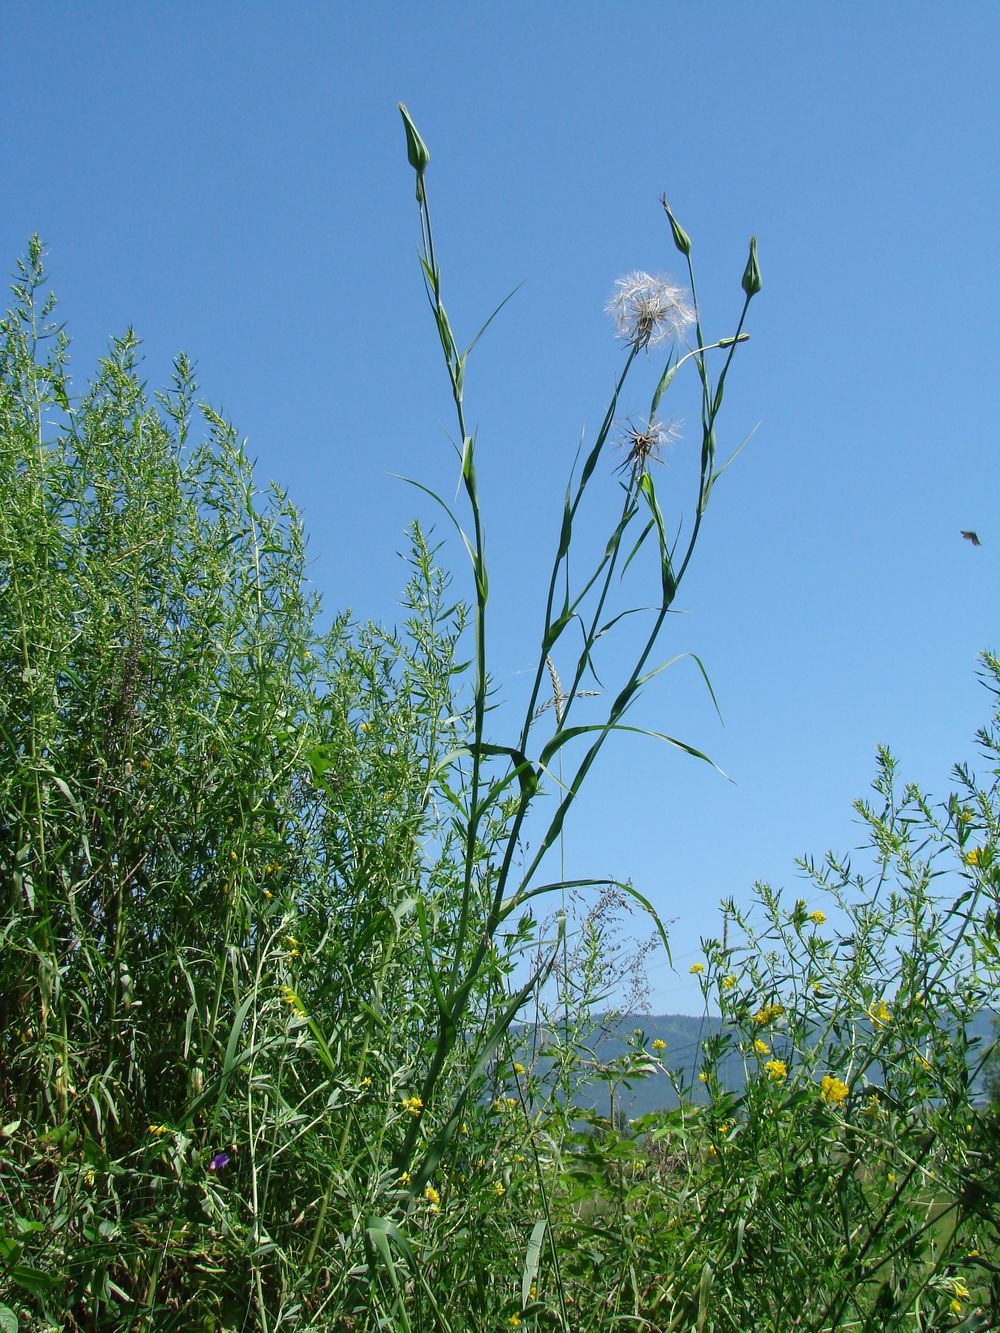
x,y
684,1034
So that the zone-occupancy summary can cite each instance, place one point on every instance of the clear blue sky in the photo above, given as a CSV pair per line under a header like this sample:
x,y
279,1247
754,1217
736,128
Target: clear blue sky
x,y
231,179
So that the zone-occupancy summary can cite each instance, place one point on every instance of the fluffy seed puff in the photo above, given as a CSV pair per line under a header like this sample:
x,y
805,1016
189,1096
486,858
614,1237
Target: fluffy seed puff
x,y
648,310
645,441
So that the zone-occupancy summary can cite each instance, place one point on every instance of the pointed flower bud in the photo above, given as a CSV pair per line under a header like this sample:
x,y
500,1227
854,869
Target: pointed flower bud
x,y
416,150
751,274
681,239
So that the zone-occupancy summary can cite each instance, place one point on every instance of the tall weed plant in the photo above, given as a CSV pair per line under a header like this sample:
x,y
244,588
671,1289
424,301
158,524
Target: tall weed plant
x,y
296,1027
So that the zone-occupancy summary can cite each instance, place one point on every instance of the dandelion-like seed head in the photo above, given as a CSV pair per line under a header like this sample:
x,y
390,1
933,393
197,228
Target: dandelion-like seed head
x,y
646,441
648,310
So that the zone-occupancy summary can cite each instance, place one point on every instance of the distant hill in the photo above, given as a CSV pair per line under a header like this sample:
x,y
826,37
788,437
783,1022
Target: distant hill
x,y
683,1034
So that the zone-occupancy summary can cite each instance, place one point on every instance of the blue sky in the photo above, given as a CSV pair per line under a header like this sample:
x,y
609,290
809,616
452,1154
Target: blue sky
x,y
231,179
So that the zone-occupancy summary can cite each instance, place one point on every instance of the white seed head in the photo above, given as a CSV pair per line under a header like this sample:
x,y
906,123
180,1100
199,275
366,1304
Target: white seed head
x,y
646,441
648,310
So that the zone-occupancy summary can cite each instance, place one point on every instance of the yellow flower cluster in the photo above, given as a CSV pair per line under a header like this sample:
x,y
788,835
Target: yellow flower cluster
x,y
659,1044
761,1047
412,1105
432,1198
777,1070
767,1014
879,1013
696,968
728,982
817,917
974,857
498,1189
293,1001
833,1090
960,1294
159,1129
518,1069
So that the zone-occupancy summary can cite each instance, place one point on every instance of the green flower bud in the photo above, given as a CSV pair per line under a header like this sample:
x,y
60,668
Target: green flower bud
x,y
416,150
681,239
751,274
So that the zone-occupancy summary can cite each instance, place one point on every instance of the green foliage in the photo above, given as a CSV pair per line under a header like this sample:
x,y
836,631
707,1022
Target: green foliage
x,y
283,1043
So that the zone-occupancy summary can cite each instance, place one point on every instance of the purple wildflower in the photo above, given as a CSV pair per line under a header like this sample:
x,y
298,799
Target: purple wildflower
x,y
220,1160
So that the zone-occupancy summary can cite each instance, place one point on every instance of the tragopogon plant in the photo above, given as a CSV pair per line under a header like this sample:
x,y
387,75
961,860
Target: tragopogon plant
x,y
649,312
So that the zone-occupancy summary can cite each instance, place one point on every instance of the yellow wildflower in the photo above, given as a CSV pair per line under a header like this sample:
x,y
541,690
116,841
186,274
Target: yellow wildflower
x,y
817,917
365,1082
518,1068
412,1105
924,1063
728,983
515,1320
879,1013
432,1198
292,1000
498,1189
702,1076
696,968
956,1307
159,1129
833,1090
767,1014
777,1070
404,1179
891,1177
761,1047
659,1044
973,857
88,1176
873,1104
